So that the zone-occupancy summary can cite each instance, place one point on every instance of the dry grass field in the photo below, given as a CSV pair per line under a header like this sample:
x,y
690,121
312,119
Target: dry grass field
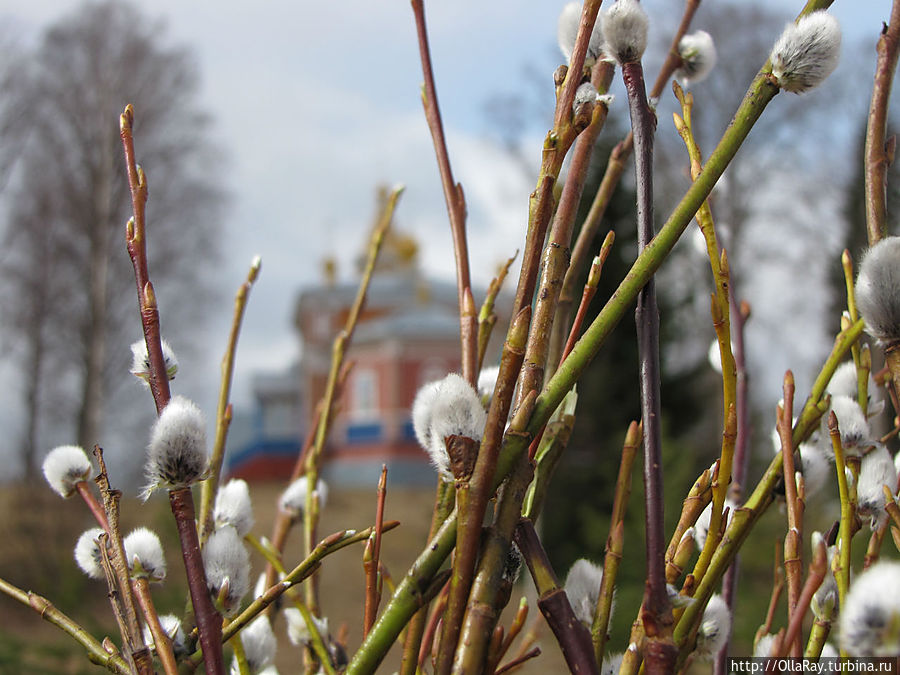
x,y
38,532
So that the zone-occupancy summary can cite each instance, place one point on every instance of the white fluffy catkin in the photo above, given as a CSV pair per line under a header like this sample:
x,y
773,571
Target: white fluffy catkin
x,y
855,432
447,407
259,645
140,361
714,628
567,32
176,457
698,57
876,470
87,553
64,467
233,506
870,619
807,52
298,631
625,26
878,290
583,589
144,554
701,527
226,560
293,499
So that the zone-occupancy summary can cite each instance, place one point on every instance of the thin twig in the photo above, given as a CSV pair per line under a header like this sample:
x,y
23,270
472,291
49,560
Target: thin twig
x,y
614,541
818,568
327,546
573,637
136,239
614,169
84,491
841,564
373,594
590,289
47,611
879,153
443,505
223,410
115,549
656,613
793,540
534,652
453,195
160,639
339,349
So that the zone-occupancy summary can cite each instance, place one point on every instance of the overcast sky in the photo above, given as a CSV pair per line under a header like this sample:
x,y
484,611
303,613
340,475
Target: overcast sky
x,y
316,103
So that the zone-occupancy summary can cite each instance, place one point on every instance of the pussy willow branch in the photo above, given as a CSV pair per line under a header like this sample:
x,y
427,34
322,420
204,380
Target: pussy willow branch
x,y
541,203
554,263
138,662
656,613
131,629
307,566
315,637
614,168
208,620
136,239
403,603
842,557
879,153
338,352
518,623
160,639
485,602
374,553
443,505
95,651
531,379
453,196
473,495
223,411
84,491
564,221
818,568
487,317
762,496
721,310
793,540
614,541
573,638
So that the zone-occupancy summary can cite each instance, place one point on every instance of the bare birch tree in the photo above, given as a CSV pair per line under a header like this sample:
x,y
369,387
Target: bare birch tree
x,y
68,298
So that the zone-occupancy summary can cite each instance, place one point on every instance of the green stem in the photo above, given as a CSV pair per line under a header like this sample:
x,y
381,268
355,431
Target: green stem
x,y
762,496
338,352
223,411
845,532
95,651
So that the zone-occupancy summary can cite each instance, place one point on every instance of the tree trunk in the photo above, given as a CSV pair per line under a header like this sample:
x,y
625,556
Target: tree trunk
x,y
91,412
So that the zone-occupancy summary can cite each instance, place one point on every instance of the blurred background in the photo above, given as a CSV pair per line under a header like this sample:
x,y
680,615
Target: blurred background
x,y
275,131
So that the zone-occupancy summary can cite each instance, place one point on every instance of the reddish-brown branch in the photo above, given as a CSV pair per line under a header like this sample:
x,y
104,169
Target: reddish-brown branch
x,y
879,153
209,622
372,585
84,491
793,549
136,241
453,196
518,661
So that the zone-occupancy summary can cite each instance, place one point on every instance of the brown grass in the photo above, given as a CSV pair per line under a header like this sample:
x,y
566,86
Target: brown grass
x,y
39,530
